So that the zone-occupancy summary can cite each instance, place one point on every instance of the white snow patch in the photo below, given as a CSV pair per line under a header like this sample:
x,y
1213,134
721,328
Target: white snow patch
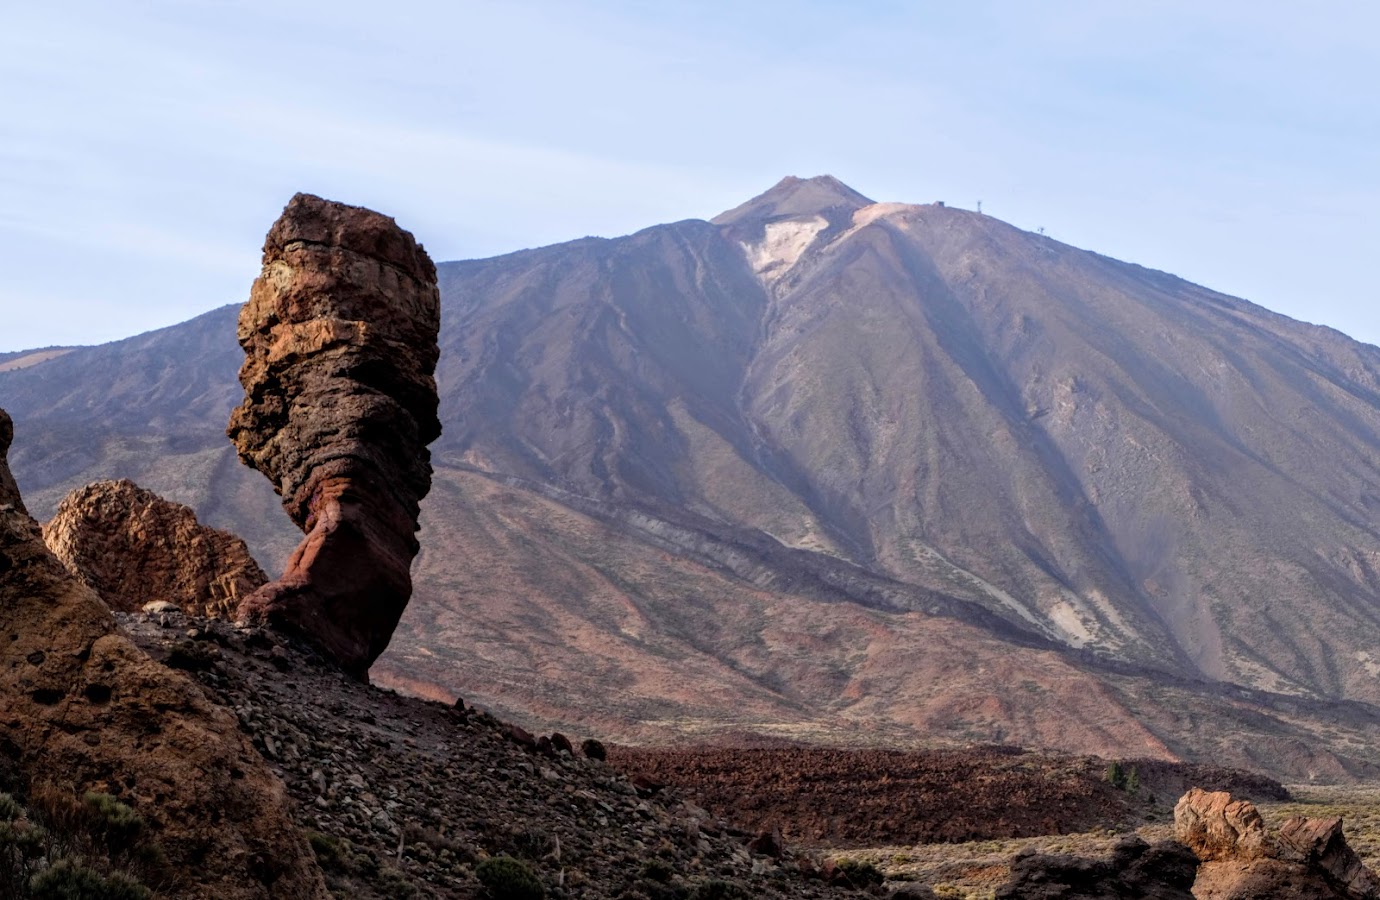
x,y
782,246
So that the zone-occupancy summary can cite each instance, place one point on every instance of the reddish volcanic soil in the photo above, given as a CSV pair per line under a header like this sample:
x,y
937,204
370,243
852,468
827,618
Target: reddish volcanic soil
x,y
870,798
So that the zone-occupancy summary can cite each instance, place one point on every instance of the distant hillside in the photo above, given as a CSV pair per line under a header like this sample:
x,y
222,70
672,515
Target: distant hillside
x,y
841,471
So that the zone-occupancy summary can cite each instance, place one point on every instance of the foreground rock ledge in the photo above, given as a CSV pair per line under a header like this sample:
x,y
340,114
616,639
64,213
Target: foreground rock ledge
x,y
340,404
82,708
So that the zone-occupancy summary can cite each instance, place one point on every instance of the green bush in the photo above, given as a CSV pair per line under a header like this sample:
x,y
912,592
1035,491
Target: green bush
x,y
657,870
509,879
9,808
22,847
859,873
67,880
1115,775
118,823
395,885
56,846
329,853
717,889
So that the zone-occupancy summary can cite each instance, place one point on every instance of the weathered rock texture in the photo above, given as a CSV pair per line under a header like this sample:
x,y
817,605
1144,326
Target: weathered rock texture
x,y
1218,827
133,547
1308,859
1164,871
340,333
82,708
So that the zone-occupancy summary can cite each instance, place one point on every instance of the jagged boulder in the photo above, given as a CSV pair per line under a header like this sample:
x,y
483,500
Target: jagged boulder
x,y
132,547
82,708
340,404
1217,827
1308,860
1320,844
1163,871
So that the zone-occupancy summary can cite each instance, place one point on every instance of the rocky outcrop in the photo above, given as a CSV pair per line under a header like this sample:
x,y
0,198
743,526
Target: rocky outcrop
x,y
1217,827
1164,871
82,708
1308,859
1320,845
132,547
340,337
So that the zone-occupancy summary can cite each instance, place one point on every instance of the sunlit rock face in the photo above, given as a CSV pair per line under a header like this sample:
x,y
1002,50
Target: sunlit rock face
x,y
340,404
132,547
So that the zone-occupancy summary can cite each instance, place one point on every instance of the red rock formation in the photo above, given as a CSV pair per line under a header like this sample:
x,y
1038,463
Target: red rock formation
x,y
1217,827
1320,844
82,708
1309,859
133,547
340,336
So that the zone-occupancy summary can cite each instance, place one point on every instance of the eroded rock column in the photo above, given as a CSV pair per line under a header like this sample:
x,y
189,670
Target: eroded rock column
x,y
340,337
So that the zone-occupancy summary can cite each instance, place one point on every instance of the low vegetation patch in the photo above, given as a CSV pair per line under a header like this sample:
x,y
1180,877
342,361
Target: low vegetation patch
x,y
507,878
57,846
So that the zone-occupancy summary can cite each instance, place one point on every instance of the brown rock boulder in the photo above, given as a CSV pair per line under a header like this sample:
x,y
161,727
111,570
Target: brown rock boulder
x,y
1320,845
340,340
82,708
133,547
1215,826
1308,860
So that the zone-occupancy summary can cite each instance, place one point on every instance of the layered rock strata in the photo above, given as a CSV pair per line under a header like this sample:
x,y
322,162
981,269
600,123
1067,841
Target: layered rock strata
x,y
83,709
1308,859
133,547
340,339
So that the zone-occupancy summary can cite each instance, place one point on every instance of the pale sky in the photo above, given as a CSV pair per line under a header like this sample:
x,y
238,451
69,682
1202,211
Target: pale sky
x,y
145,147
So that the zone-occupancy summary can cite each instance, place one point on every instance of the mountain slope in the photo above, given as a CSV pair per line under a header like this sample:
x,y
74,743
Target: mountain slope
x,y
1106,455
753,472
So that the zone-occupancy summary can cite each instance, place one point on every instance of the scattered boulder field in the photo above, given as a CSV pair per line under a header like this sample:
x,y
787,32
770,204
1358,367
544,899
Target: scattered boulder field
x,y
405,797
871,798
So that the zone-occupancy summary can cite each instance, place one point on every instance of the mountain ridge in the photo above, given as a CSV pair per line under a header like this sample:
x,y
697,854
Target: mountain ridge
x,y
1083,455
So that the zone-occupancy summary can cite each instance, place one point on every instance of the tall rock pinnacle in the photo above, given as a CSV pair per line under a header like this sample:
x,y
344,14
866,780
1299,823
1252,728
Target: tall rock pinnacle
x,y
340,336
